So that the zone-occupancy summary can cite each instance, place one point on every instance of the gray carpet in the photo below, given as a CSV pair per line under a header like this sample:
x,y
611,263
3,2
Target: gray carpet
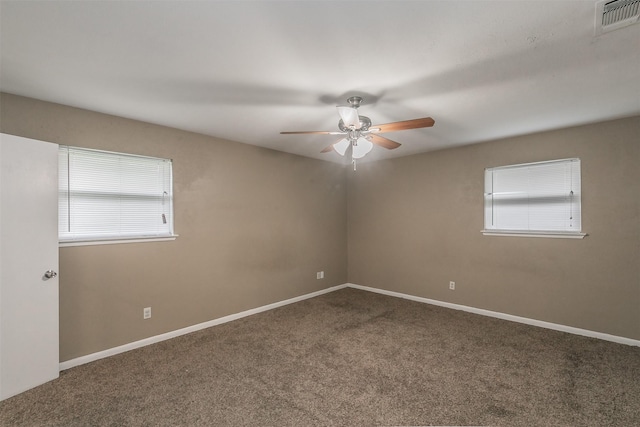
x,y
349,358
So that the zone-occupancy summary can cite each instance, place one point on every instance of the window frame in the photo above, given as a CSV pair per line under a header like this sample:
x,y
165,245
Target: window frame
x,y
548,233
131,237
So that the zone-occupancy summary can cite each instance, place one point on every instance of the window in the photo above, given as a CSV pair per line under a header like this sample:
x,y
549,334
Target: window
x,y
106,197
534,199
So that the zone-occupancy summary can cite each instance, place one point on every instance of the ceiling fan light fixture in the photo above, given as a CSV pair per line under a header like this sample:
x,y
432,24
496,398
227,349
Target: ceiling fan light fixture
x,y
361,135
349,116
361,147
341,146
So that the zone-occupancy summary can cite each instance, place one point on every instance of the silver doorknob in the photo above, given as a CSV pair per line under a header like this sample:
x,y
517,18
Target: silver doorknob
x,y
50,274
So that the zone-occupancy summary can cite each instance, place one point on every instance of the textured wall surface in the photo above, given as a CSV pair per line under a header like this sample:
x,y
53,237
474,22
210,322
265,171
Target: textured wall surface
x,y
254,226
414,225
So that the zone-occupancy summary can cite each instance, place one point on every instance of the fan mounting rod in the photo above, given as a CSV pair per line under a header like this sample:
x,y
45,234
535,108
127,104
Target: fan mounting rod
x,y
354,101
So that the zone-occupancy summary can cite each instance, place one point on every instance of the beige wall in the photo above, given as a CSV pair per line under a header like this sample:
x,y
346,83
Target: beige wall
x,y
414,225
254,224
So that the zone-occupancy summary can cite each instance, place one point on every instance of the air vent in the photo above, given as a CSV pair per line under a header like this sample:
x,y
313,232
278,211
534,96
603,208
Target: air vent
x,y
614,14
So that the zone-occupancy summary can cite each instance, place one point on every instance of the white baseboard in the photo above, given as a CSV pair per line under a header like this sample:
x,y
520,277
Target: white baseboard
x,y
162,337
503,316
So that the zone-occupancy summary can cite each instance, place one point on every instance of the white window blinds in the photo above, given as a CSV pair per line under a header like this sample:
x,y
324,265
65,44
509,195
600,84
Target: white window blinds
x,y
534,198
113,196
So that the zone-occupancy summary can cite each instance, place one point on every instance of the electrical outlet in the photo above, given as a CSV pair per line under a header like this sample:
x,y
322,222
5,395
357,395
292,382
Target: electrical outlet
x,y
146,313
320,275
452,286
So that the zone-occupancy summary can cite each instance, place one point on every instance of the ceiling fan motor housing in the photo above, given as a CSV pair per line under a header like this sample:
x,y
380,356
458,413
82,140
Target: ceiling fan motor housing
x,y
365,123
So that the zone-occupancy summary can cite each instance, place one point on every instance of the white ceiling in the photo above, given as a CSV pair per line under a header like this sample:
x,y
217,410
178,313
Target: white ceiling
x,y
246,70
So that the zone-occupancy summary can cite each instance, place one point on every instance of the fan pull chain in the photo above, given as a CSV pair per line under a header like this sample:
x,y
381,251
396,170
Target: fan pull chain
x,y
354,164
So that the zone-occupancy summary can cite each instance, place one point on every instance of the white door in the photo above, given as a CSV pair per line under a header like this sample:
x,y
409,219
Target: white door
x,y
29,354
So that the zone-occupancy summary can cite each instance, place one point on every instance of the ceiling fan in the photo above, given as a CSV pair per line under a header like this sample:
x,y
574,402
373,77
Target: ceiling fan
x,y
360,135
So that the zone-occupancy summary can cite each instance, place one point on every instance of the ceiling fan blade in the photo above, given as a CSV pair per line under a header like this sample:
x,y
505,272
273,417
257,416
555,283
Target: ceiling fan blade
x,y
383,142
311,132
327,149
424,122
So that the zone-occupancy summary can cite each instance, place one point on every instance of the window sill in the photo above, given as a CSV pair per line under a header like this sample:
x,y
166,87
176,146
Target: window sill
x,y
69,243
547,234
